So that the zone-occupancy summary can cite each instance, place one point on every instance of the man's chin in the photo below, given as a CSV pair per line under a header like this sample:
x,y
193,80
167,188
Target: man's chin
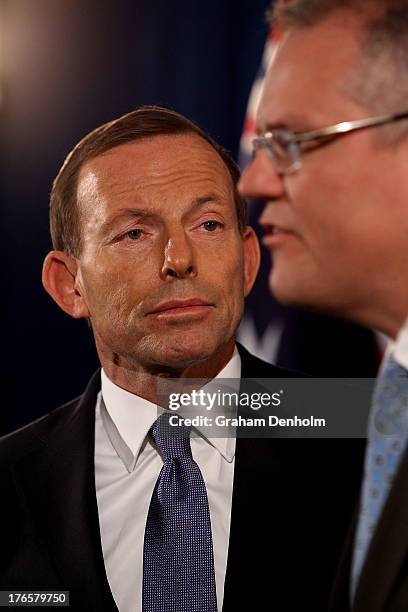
x,y
291,292
194,361
282,291
157,351
310,297
182,353
181,360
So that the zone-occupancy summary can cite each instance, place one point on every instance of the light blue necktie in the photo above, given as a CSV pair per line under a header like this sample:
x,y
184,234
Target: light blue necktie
x,y
178,562
386,442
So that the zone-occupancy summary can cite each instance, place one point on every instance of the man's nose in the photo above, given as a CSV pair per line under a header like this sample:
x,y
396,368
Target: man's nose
x,y
260,180
178,257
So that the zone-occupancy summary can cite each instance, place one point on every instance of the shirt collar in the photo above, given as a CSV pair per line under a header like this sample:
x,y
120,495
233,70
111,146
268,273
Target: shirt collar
x,y
127,417
398,348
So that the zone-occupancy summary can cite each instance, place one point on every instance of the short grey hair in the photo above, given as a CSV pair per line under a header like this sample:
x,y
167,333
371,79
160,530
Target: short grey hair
x,y
380,82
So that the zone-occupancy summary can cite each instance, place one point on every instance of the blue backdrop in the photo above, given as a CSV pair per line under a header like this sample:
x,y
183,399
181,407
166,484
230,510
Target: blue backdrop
x,y
66,67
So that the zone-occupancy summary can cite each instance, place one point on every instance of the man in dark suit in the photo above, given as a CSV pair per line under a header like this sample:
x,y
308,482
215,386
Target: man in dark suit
x,y
151,247
331,161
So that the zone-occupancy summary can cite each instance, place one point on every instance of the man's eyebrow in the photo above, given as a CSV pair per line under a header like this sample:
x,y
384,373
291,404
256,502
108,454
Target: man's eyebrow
x,y
262,128
211,197
294,123
126,213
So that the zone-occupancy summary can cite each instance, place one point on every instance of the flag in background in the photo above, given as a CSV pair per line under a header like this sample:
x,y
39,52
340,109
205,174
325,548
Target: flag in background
x,y
306,342
262,324
249,132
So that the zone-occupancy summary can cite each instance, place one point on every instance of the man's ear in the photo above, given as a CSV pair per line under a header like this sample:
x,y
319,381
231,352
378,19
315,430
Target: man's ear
x,y
59,278
252,258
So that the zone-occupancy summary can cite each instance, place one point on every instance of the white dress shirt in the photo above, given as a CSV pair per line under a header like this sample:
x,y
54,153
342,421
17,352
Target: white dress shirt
x,y
126,470
399,347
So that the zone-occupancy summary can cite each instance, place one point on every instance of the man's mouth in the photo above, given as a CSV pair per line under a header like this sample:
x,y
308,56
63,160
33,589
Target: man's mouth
x,y
182,308
274,234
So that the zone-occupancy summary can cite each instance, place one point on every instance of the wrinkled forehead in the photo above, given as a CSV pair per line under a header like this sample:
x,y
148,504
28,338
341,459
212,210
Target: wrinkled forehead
x,y
308,76
157,155
151,169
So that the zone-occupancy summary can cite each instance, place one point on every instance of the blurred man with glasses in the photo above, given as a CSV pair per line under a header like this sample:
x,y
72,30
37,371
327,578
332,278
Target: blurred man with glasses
x,y
331,160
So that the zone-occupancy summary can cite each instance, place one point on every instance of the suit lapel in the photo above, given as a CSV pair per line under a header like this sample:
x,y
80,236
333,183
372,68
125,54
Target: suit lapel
x,y
57,483
245,541
253,458
292,500
340,596
388,549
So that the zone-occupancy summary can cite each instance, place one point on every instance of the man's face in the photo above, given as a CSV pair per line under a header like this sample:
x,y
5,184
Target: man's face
x,y
337,227
163,264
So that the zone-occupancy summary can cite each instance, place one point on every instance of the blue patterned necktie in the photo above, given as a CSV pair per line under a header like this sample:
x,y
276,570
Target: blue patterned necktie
x,y
178,562
386,442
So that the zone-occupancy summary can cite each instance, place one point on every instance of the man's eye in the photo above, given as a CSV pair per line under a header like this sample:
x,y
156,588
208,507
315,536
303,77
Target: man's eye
x,y
133,234
210,226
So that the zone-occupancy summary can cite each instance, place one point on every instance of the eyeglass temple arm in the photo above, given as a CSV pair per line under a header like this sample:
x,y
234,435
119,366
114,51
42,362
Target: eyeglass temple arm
x,y
348,126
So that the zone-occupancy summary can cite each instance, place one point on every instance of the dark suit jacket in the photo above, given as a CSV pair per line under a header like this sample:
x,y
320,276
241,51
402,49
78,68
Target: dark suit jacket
x,y
292,504
383,585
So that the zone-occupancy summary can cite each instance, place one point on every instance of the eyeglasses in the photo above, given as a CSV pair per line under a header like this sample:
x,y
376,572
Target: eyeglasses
x,y
284,147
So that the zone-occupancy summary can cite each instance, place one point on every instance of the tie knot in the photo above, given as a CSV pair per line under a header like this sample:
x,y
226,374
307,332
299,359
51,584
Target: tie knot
x,y
172,438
